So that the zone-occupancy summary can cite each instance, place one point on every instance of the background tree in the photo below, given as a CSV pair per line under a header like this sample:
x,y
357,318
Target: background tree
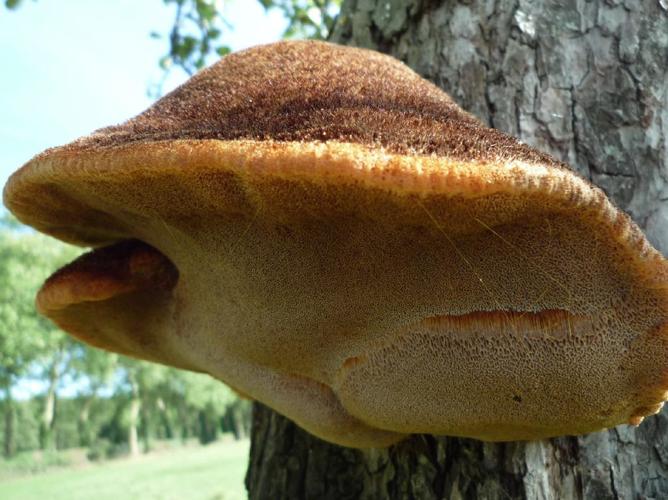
x,y
202,406
92,369
194,40
140,378
586,82
161,399
26,337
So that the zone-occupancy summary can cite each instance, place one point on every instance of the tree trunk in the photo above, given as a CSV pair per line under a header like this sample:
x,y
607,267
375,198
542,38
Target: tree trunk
x,y
49,411
235,420
238,424
145,426
185,423
586,81
83,422
9,445
135,408
165,421
209,423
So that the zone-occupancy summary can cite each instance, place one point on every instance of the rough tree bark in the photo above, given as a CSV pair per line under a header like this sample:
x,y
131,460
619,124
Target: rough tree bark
x,y
586,81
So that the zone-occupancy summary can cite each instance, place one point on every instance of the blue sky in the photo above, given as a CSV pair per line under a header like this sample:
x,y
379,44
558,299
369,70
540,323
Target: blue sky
x,y
68,67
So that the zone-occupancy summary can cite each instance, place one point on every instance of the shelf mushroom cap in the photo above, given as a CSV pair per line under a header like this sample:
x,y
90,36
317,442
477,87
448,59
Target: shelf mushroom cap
x,y
329,234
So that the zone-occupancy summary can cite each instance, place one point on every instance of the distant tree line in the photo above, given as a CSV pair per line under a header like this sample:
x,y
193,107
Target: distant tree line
x,y
114,404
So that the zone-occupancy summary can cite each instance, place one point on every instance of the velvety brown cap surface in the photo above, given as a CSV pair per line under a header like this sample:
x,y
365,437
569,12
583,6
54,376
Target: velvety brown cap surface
x,y
297,91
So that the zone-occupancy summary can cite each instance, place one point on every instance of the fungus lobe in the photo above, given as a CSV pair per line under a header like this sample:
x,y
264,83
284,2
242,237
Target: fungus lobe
x,y
328,233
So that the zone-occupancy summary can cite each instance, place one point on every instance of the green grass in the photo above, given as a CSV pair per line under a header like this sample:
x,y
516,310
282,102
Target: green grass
x,y
208,472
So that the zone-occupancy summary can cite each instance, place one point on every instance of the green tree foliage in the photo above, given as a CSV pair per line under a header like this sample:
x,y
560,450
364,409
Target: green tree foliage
x,y
195,34
27,260
92,370
199,24
307,18
202,397
26,338
166,402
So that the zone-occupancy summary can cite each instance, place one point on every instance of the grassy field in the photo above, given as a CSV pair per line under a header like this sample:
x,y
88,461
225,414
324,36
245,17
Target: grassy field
x,y
208,472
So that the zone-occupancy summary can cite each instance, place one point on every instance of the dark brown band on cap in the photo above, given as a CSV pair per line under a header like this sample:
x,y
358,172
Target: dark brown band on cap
x,y
314,92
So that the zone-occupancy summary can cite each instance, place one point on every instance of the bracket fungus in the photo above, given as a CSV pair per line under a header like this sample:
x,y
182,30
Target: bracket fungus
x,y
328,233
